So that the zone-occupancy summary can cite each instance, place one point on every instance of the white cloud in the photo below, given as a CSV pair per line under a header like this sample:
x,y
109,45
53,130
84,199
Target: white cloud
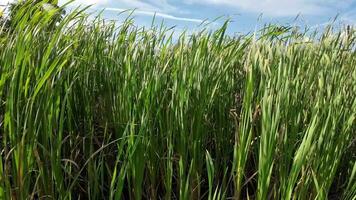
x,y
148,5
159,14
138,4
5,2
280,7
163,4
85,2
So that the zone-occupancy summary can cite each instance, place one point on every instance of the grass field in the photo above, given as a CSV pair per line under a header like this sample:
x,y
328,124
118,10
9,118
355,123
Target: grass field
x,y
94,110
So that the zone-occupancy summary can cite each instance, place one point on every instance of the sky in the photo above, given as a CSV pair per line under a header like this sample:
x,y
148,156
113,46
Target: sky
x,y
245,15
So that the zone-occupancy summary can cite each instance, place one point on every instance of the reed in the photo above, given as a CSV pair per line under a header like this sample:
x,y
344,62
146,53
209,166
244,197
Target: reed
x,y
94,110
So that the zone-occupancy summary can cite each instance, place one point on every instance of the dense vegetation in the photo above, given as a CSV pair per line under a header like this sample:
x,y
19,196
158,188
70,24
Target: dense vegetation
x,y
94,110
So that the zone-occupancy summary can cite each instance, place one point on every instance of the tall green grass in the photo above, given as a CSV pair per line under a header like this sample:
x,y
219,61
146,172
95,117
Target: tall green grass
x,y
94,110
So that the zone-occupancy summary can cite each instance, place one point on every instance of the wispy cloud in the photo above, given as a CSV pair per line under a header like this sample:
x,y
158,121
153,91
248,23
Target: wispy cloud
x,y
94,3
159,14
280,7
347,18
163,6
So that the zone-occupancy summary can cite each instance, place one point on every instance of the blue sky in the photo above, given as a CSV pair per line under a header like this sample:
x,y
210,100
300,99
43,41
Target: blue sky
x,y
247,15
